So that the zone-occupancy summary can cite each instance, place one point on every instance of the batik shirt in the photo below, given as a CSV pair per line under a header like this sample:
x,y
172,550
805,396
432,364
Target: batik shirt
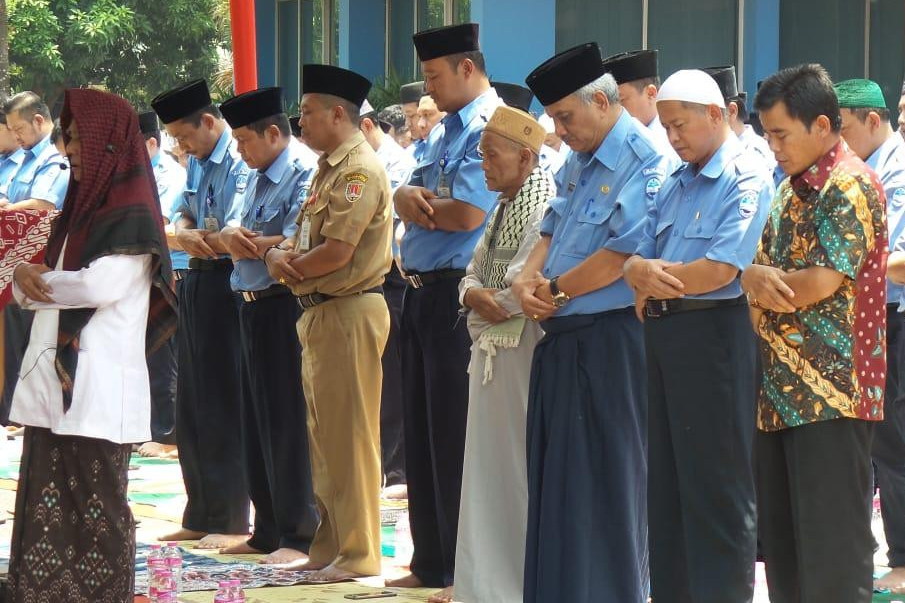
x,y
827,360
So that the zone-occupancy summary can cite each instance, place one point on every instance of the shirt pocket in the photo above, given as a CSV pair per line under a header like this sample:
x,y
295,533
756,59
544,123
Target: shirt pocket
x,y
590,231
267,219
703,228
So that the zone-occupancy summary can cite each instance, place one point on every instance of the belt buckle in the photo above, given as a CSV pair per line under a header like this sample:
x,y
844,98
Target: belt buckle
x,y
306,301
656,308
248,296
414,280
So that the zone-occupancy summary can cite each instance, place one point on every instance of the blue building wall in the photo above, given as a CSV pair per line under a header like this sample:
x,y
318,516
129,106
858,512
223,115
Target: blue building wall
x,y
517,35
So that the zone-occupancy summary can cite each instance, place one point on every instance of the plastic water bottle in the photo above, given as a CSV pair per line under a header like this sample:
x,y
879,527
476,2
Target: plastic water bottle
x,y
236,590
156,563
173,557
223,594
403,540
163,587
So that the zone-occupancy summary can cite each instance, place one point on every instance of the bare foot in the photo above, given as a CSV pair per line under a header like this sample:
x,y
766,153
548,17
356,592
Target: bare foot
x,y
243,548
283,556
397,492
182,534
331,574
160,451
220,541
894,581
443,596
410,581
302,565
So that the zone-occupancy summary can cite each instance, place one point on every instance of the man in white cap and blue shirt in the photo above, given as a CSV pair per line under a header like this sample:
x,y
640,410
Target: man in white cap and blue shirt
x,y
587,420
701,231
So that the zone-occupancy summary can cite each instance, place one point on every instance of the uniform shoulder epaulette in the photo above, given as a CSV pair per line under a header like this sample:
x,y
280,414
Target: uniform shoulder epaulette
x,y
642,146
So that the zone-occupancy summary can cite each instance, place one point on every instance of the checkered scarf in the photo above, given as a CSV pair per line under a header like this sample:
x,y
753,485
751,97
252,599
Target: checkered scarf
x,y
113,210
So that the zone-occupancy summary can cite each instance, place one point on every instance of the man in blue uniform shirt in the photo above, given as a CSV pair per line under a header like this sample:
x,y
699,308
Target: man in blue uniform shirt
x,y
40,182
207,407
43,176
867,128
274,418
638,74
587,520
445,207
409,96
162,369
11,155
701,231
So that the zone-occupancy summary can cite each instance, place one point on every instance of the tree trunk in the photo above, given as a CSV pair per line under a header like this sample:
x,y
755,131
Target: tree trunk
x,y
4,50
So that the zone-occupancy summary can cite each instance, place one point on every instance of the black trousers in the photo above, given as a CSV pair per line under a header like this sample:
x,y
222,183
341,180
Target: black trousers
x,y
435,354
888,449
701,499
274,426
814,485
392,437
162,371
207,407
16,332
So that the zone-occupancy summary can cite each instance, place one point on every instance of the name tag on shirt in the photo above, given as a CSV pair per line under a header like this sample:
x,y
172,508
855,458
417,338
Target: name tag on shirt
x,y
443,190
211,224
305,234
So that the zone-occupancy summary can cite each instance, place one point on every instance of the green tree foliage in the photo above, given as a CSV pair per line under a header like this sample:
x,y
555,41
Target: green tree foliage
x,y
135,48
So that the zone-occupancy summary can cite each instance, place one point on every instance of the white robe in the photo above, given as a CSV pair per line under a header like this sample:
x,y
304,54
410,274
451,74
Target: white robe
x,y
493,513
111,396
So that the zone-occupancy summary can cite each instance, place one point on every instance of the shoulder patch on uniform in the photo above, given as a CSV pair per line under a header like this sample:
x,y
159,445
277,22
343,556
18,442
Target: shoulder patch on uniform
x,y
747,205
355,186
357,177
898,197
242,181
652,187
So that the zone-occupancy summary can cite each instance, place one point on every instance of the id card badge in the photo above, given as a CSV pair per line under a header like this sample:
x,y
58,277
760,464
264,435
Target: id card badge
x,y
305,234
211,224
443,191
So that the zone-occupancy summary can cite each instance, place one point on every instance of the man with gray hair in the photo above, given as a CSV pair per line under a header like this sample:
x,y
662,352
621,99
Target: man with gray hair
x,y
587,419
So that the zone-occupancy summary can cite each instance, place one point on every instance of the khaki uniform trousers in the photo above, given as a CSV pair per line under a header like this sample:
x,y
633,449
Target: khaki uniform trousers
x,y
342,344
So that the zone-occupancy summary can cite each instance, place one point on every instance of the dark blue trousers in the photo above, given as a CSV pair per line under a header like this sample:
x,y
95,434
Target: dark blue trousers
x,y
207,406
587,471
274,426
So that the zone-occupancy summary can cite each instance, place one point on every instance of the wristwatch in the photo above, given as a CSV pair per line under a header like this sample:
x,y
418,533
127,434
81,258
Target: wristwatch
x,y
560,298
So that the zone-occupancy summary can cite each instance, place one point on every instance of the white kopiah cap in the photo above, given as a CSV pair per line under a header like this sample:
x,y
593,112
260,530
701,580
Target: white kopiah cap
x,y
366,108
691,86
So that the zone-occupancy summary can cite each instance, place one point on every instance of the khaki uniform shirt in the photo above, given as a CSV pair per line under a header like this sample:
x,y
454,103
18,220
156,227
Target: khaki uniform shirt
x,y
349,201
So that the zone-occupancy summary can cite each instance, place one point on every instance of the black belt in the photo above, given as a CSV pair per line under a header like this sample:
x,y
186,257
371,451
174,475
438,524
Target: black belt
x,y
422,279
179,274
199,264
657,308
271,291
312,299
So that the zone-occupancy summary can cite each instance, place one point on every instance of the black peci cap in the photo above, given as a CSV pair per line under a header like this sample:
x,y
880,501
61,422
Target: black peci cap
x,y
632,66
568,71
181,102
444,41
514,95
336,81
249,107
411,93
725,79
147,122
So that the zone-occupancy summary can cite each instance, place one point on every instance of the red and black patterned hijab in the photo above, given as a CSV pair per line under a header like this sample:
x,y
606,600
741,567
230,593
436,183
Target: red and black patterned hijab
x,y
114,209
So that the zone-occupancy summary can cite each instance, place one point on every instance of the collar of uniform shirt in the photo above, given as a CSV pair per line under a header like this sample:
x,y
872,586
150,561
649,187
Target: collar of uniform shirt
x,y
340,152
41,147
816,175
890,147
155,160
728,151
611,148
276,170
219,152
464,116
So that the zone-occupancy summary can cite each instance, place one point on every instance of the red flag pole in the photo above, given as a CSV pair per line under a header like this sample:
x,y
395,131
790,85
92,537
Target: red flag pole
x,y
245,68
